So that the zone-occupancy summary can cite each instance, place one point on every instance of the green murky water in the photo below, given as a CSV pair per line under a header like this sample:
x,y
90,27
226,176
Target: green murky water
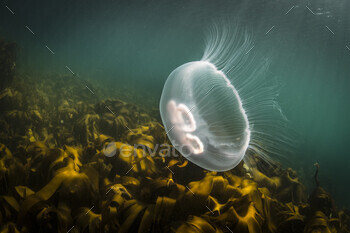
x,y
136,44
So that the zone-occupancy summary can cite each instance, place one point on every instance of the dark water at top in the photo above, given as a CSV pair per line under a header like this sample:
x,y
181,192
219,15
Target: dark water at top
x,y
138,43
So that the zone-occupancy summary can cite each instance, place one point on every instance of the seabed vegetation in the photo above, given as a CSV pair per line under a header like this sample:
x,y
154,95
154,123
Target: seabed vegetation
x,y
55,175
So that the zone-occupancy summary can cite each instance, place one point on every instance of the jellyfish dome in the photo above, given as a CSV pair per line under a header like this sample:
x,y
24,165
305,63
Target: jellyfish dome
x,y
203,112
210,129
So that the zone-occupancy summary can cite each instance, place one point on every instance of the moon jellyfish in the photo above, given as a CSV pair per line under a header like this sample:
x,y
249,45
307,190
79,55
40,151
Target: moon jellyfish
x,y
219,108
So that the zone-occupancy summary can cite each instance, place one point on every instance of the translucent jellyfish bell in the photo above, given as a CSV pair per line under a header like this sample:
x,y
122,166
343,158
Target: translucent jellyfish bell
x,y
202,106
211,132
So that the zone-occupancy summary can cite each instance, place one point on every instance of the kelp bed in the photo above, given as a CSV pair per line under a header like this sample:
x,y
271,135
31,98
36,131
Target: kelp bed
x,y
55,177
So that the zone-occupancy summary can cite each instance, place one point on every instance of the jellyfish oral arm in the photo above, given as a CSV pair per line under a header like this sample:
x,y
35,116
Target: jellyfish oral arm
x,y
194,143
184,123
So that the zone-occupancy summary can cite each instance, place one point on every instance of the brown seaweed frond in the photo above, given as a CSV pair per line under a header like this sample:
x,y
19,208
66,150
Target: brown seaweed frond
x,y
69,163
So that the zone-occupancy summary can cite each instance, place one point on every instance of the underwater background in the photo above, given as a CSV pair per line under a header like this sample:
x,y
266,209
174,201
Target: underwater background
x,y
127,49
